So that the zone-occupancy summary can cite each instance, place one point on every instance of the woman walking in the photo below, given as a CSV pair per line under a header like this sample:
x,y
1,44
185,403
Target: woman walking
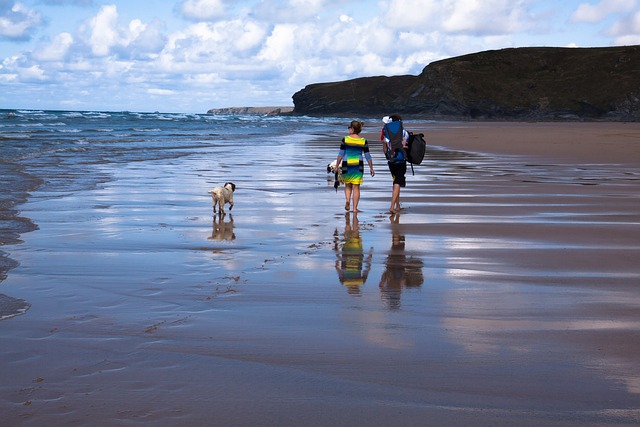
x,y
352,150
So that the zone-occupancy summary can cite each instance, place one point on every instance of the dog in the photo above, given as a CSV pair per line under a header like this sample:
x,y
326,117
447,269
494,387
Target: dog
x,y
337,172
222,195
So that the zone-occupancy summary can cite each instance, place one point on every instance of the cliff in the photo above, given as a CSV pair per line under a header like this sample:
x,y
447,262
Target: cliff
x,y
517,83
261,111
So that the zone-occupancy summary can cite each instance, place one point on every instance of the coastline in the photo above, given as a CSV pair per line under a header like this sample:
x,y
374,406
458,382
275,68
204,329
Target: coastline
x,y
15,191
515,300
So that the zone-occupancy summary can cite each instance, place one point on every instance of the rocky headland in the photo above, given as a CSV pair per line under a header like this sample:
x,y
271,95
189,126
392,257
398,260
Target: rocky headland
x,y
260,111
536,83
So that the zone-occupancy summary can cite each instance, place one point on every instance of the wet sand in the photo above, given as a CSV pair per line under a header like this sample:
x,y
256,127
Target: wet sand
x,y
506,293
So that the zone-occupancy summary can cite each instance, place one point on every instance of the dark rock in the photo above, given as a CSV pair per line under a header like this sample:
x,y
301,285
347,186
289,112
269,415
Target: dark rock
x,y
260,111
364,95
517,83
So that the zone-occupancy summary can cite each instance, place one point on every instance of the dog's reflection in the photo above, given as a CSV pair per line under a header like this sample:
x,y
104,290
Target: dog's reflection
x,y
352,266
222,229
401,271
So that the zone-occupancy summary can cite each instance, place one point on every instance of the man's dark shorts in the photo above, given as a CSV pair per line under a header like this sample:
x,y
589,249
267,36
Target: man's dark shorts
x,y
398,172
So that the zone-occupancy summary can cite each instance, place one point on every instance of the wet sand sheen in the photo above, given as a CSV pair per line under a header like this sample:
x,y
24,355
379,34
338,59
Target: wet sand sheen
x,y
505,293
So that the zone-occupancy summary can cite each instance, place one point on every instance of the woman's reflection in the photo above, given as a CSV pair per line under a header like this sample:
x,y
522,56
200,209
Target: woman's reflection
x,y
351,265
400,271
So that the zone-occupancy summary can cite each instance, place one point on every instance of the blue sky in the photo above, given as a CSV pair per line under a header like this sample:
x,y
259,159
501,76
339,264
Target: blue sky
x,y
192,55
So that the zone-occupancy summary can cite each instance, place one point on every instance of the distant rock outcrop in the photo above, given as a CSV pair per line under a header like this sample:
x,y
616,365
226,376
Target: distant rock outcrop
x,y
259,111
517,83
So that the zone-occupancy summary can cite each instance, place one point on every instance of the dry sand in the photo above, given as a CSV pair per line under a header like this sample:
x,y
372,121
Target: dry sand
x,y
574,143
506,293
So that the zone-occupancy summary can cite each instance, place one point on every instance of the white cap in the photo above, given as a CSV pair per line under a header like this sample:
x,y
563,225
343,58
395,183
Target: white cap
x,y
386,119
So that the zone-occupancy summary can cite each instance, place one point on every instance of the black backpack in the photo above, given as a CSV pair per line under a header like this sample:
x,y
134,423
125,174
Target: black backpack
x,y
416,147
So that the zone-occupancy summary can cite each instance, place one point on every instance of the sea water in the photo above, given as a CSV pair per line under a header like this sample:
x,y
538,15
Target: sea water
x,y
115,194
61,148
59,153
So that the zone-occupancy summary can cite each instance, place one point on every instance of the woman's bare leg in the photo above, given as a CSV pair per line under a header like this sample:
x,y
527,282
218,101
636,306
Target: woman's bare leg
x,y
348,189
356,197
395,199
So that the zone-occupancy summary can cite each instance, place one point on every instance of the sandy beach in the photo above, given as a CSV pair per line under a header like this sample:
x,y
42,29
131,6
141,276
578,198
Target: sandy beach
x,y
507,291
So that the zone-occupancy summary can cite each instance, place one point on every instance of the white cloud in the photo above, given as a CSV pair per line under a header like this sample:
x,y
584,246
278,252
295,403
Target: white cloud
x,y
280,45
104,31
587,12
476,17
629,40
312,6
56,50
74,2
206,47
407,14
204,79
163,92
106,36
136,27
32,74
627,30
144,39
292,11
117,69
486,17
202,10
17,20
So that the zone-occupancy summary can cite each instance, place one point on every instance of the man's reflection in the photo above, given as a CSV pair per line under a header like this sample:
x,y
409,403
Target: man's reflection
x,y
221,229
351,265
400,271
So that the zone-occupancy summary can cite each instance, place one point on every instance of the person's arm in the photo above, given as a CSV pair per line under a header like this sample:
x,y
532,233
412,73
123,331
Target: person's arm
x,y
341,153
384,141
367,156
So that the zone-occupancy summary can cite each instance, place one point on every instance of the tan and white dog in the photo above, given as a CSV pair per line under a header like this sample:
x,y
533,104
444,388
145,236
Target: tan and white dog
x,y
222,195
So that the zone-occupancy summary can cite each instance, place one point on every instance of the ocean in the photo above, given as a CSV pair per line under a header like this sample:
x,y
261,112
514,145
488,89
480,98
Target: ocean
x,y
59,153
62,148
277,162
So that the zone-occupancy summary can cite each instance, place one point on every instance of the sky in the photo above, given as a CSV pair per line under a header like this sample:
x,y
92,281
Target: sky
x,y
192,55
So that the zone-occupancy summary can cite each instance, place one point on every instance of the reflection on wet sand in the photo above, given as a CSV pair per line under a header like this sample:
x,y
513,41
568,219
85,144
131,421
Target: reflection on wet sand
x,y
351,265
11,307
400,271
221,229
